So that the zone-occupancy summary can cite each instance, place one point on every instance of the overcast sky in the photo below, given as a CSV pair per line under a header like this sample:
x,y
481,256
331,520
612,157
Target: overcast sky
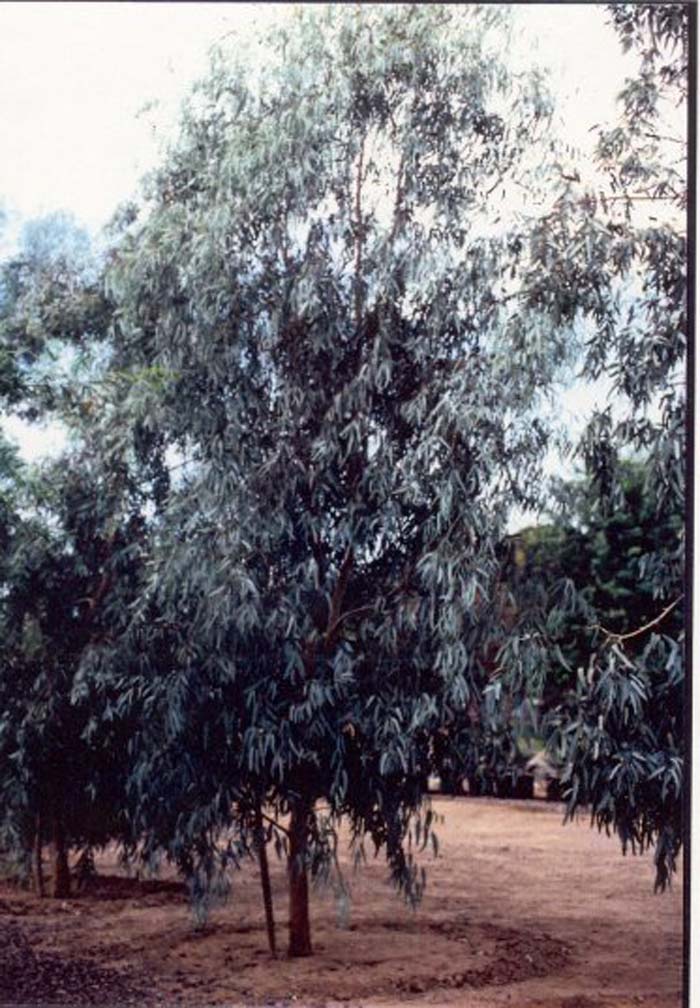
x,y
76,77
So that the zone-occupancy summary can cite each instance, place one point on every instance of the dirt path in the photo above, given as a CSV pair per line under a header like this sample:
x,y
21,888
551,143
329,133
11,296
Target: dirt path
x,y
519,911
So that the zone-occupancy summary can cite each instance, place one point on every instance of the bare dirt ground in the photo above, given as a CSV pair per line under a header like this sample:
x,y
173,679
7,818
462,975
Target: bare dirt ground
x,y
519,911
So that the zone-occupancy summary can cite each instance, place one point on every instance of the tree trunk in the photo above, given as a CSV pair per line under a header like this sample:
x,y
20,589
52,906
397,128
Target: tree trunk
x,y
61,878
554,789
522,787
299,923
38,864
261,844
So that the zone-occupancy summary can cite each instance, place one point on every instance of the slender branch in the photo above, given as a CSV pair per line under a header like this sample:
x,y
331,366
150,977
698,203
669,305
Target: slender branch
x,y
91,602
261,844
618,638
588,201
273,822
661,136
398,201
344,887
284,244
334,615
106,582
499,181
319,556
358,238
346,615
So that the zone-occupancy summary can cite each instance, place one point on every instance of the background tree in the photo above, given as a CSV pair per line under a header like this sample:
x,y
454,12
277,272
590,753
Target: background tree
x,y
325,281
54,318
71,558
601,554
615,258
73,535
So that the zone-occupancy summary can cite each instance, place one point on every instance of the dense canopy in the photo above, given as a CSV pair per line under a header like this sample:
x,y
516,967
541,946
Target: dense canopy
x,y
307,388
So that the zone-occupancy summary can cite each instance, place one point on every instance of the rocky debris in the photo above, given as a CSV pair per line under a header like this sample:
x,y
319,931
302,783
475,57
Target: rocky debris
x,y
519,957
41,978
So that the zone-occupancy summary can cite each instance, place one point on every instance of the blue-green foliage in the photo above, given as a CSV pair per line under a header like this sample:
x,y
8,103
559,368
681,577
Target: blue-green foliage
x,y
304,397
620,736
319,272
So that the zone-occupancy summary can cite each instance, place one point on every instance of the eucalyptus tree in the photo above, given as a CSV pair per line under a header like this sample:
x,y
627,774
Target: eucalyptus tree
x,y
72,556
324,275
73,539
615,254
53,317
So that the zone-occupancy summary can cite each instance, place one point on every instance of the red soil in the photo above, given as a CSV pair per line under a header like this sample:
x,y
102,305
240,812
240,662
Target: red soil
x,y
519,911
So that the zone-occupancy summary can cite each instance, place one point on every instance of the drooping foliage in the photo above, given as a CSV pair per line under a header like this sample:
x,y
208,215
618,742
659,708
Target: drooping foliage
x,y
270,585
70,559
324,280
73,544
616,255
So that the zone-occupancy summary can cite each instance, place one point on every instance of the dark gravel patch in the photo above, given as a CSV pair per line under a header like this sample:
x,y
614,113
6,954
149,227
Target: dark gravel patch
x,y
41,978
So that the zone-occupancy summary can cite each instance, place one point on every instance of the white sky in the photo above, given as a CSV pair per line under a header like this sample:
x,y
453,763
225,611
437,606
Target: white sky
x,y
74,77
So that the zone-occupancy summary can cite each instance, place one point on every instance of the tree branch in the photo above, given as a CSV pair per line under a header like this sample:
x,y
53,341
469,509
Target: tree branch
x,y
358,237
661,136
398,201
273,822
91,602
346,615
618,638
334,616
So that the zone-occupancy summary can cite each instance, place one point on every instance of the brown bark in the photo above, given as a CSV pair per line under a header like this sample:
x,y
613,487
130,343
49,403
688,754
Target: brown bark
x,y
359,235
261,844
335,615
299,922
61,877
38,863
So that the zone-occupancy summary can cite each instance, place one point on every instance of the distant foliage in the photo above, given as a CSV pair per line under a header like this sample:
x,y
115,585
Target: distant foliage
x,y
70,561
617,260
53,315
73,541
